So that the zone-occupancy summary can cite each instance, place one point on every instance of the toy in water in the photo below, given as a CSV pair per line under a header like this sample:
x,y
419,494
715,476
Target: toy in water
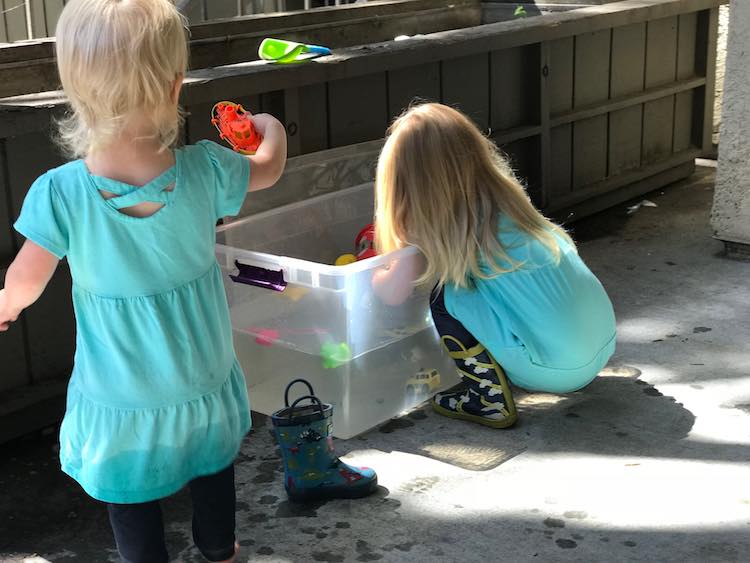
x,y
284,52
294,292
269,336
311,469
425,382
365,243
345,259
235,126
335,355
364,246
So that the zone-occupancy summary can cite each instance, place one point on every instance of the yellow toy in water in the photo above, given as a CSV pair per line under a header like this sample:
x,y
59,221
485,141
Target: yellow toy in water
x,y
345,259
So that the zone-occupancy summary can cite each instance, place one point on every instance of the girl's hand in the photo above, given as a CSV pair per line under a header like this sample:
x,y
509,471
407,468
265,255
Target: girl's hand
x,y
261,122
6,315
25,281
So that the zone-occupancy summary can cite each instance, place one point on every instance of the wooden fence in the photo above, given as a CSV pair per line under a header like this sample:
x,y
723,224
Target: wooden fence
x,y
594,106
21,20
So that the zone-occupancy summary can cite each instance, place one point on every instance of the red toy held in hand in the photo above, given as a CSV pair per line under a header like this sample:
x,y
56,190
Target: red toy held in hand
x,y
235,127
365,243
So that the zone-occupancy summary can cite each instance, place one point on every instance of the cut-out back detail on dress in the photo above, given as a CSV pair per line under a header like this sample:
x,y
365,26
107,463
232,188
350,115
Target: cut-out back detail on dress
x,y
125,198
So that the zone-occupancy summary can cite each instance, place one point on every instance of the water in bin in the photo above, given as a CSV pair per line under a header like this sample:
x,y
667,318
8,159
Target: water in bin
x,y
394,359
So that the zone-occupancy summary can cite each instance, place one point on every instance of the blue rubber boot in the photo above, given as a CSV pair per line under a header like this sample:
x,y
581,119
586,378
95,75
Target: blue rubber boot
x,y
311,469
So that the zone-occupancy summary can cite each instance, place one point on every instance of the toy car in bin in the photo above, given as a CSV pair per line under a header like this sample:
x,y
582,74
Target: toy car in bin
x,y
424,383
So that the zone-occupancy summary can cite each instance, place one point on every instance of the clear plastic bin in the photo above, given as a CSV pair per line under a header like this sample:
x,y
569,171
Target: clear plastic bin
x,y
370,360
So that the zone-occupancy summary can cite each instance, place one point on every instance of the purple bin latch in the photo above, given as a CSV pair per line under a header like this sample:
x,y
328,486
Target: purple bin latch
x,y
259,277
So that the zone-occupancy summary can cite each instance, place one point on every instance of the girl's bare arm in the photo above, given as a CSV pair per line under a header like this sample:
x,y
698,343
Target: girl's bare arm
x,y
267,165
25,281
394,283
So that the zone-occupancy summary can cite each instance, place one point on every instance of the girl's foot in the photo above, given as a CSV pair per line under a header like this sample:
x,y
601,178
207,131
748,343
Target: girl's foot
x,y
488,399
233,558
470,405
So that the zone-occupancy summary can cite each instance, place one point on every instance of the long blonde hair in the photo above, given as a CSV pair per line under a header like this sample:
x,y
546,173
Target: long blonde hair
x,y
441,186
118,59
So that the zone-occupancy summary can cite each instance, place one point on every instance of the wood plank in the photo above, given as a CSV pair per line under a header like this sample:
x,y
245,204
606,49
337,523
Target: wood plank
x,y
325,15
465,86
590,83
589,151
38,18
28,157
33,407
293,112
625,139
3,30
194,13
198,123
630,100
516,134
216,10
241,47
217,36
625,181
561,169
213,45
13,354
524,158
306,111
515,75
39,74
628,59
273,103
26,51
15,19
545,137
560,79
658,124
686,46
204,85
51,329
620,189
412,85
7,244
53,9
683,121
357,109
661,52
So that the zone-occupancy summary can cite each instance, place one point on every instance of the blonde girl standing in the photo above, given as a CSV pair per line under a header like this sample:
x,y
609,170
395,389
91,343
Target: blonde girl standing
x,y
512,297
157,399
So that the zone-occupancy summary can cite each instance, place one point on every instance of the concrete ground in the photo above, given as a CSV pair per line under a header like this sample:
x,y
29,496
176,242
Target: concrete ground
x,y
648,463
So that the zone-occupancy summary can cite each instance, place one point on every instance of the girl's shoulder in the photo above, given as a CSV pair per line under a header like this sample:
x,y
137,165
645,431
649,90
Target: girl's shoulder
x,y
65,182
204,150
207,158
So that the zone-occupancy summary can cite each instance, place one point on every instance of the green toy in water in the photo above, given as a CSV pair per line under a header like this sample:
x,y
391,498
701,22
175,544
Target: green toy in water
x,y
282,51
335,355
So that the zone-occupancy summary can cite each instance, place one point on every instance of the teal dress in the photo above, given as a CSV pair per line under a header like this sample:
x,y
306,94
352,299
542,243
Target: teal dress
x,y
550,325
157,397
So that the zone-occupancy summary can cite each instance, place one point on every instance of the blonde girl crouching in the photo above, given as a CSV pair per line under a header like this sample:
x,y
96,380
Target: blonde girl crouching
x,y
512,296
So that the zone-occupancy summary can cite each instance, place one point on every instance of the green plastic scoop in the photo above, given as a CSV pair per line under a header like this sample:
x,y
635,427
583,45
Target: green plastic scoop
x,y
282,51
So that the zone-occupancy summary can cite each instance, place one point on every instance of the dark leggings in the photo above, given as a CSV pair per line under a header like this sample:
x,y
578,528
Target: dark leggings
x,y
446,324
139,529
